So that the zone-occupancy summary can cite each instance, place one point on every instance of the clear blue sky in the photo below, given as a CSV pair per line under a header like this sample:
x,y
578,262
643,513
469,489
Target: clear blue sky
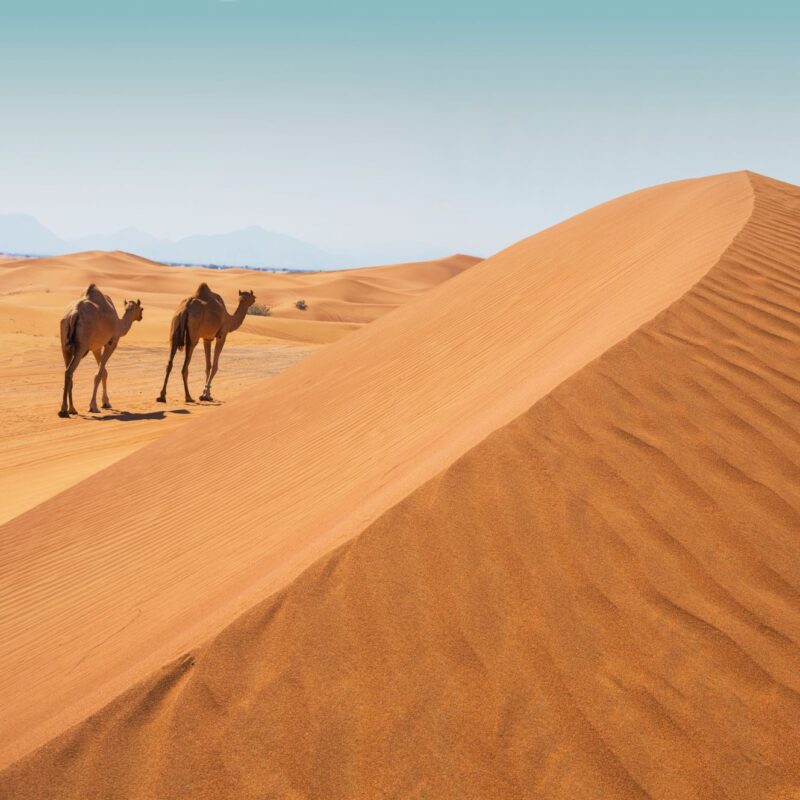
x,y
465,125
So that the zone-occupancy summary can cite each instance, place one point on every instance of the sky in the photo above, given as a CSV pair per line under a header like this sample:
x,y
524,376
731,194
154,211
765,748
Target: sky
x,y
465,126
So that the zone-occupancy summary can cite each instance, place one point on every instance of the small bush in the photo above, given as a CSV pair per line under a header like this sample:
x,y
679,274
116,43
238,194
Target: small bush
x,y
258,310
301,304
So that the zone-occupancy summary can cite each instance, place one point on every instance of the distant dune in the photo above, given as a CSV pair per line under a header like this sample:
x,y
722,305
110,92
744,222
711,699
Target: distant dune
x,y
39,284
532,535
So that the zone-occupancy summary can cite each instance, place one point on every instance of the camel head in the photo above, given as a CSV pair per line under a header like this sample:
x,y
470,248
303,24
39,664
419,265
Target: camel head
x,y
135,306
247,298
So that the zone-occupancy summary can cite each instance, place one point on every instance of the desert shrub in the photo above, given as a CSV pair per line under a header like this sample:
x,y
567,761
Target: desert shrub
x,y
301,304
258,310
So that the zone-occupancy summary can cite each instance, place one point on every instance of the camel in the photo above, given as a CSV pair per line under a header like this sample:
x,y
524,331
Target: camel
x,y
92,324
203,316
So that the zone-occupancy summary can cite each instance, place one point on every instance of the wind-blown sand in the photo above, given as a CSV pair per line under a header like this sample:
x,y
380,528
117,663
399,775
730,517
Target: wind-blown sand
x,y
600,599
41,455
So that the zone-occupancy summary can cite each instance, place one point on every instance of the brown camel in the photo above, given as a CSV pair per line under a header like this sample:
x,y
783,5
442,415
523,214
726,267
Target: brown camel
x,y
92,324
203,316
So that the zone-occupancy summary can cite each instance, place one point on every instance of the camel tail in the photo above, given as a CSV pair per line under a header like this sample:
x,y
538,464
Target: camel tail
x,y
69,334
180,329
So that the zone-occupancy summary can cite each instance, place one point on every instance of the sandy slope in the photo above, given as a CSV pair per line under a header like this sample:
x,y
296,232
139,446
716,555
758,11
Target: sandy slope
x,y
41,455
601,599
122,573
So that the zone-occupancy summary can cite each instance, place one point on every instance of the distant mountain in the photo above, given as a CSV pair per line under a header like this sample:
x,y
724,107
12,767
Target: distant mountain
x,y
25,235
251,246
248,247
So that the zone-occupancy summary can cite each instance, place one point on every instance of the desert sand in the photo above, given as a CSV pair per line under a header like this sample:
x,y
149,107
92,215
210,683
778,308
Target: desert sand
x,y
531,535
41,456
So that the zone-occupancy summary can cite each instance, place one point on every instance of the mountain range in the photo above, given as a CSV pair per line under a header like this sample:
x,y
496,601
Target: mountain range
x,y
253,246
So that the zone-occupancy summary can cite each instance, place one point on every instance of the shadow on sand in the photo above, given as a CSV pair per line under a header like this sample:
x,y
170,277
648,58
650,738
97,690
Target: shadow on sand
x,y
130,416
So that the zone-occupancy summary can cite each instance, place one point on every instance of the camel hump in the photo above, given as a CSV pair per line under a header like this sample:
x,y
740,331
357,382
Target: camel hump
x,y
95,295
203,290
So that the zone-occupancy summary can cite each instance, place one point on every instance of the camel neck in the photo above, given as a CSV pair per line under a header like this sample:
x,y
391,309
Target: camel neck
x,y
124,325
237,318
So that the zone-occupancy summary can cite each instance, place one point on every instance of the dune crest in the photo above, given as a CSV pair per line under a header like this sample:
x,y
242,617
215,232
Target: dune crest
x,y
95,598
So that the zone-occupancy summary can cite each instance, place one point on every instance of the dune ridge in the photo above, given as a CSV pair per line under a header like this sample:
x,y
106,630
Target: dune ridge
x,y
354,430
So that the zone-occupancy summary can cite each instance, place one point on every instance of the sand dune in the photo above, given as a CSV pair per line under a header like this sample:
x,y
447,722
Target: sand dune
x,y
41,456
601,599
122,573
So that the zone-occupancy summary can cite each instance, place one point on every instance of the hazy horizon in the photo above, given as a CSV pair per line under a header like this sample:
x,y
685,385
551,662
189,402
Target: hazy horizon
x,y
459,127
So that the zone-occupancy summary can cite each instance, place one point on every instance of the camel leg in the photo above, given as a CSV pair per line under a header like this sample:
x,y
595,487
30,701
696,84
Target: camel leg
x,y
68,373
219,344
106,402
162,398
72,409
207,348
190,346
106,354
67,358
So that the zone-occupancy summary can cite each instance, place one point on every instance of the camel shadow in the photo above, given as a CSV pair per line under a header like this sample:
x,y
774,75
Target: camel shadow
x,y
130,416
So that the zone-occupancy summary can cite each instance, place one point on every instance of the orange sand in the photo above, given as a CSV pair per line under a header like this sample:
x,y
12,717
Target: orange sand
x,y
40,455
600,599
